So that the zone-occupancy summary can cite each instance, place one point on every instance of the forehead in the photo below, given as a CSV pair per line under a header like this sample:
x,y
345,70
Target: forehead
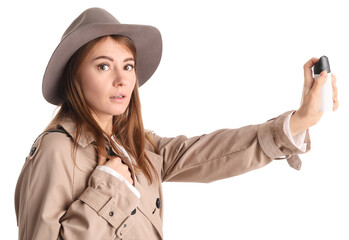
x,y
109,45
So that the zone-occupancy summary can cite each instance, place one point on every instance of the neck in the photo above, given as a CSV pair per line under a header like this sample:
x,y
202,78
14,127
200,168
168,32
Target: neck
x,y
105,123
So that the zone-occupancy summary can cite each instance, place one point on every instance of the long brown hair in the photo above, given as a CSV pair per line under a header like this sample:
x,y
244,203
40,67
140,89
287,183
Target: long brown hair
x,y
127,128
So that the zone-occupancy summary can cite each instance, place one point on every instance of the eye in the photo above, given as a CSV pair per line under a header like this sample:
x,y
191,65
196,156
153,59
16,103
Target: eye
x,y
129,67
103,67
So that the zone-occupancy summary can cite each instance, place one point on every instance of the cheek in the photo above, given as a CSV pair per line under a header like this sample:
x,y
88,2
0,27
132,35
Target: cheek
x,y
133,84
132,87
92,88
130,90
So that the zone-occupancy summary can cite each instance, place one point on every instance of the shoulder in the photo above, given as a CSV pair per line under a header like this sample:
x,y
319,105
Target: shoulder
x,y
58,140
52,146
150,140
152,137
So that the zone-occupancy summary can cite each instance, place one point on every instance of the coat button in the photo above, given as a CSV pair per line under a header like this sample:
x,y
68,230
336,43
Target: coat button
x,y
32,151
158,203
111,213
134,212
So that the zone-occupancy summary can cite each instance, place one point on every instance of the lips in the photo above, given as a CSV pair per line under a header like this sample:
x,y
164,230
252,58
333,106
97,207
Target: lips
x,y
119,98
119,95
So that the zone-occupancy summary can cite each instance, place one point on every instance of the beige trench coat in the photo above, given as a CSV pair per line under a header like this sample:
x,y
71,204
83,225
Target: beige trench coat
x,y
54,199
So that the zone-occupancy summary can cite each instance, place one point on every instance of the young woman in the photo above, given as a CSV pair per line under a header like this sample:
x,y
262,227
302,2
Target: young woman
x,y
96,173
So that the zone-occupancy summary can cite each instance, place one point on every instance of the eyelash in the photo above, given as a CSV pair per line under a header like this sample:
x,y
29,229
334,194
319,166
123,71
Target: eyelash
x,y
100,67
129,65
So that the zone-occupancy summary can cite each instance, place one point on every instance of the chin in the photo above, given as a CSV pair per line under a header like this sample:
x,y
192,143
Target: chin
x,y
118,112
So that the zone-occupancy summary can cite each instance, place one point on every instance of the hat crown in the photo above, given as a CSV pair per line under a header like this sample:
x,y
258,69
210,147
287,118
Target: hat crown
x,y
90,16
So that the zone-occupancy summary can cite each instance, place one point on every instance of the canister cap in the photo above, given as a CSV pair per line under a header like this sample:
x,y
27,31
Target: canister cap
x,y
321,65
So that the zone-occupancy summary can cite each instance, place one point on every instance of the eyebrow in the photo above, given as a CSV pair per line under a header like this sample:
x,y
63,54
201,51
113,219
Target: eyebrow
x,y
111,59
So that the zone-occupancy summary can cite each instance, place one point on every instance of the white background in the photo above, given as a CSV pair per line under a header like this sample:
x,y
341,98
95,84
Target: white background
x,y
225,64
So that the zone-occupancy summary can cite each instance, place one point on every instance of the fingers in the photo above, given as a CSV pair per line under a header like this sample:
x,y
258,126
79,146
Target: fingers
x,y
308,77
334,87
308,74
123,169
335,105
101,160
320,81
335,93
114,163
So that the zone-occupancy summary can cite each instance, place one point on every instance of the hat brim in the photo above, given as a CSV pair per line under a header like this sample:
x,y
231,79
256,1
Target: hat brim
x,y
147,40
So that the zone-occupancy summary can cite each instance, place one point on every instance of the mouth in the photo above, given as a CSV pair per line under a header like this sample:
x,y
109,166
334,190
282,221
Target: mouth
x,y
119,96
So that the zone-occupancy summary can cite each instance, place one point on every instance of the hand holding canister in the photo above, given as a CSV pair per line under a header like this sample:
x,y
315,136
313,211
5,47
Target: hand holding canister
x,y
315,97
326,90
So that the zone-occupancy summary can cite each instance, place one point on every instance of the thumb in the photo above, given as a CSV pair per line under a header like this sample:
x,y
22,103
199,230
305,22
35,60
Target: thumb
x,y
101,159
308,73
320,81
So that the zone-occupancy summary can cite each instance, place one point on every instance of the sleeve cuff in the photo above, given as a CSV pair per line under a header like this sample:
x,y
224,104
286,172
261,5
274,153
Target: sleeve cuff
x,y
109,198
275,142
120,177
266,141
298,140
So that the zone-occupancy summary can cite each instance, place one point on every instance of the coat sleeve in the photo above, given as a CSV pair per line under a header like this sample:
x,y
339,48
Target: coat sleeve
x,y
44,201
226,152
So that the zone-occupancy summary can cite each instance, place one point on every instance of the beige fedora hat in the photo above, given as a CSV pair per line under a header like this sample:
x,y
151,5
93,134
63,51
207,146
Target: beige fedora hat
x,y
91,24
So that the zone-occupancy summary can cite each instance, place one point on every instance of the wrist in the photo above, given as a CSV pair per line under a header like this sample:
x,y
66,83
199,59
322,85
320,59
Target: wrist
x,y
297,124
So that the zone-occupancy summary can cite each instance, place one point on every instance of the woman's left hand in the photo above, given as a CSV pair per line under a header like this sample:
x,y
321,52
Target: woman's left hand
x,y
309,112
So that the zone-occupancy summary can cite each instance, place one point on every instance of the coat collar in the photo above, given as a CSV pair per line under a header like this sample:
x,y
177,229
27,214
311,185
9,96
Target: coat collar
x,y
85,138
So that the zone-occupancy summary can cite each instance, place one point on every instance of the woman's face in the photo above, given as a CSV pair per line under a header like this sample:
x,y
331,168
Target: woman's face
x,y
107,78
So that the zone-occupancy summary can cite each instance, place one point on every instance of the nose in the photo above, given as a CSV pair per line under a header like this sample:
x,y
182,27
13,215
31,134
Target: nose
x,y
119,78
